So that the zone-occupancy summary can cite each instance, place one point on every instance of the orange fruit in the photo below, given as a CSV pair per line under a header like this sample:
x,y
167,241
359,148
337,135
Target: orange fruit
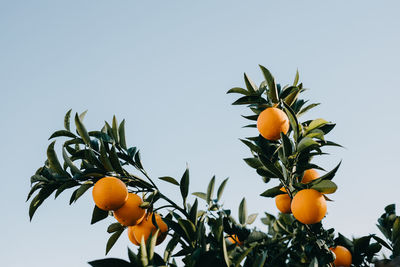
x,y
109,193
146,228
309,175
131,212
234,239
283,202
343,256
308,206
271,122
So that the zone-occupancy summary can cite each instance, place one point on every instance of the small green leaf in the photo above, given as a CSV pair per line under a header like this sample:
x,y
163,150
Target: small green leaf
x,y
221,189
305,143
271,167
253,162
169,179
225,252
250,85
193,212
200,195
53,160
82,130
243,211
121,132
396,229
184,185
112,240
62,133
81,190
115,129
272,192
116,164
238,90
317,123
70,164
307,108
68,184
82,115
272,90
325,187
292,120
251,218
98,215
104,159
296,78
210,190
115,227
67,120
143,252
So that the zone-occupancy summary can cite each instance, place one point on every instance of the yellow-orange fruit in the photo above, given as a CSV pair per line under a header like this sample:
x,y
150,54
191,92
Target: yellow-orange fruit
x,y
109,193
309,175
283,202
234,239
146,228
343,256
131,212
309,206
271,122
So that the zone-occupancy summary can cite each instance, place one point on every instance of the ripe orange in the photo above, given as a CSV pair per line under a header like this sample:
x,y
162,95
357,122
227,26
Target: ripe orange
x,y
343,256
131,212
234,239
146,228
283,203
109,193
309,206
309,175
271,122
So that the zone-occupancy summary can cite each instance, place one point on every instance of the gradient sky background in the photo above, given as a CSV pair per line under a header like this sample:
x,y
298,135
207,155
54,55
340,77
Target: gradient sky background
x,y
165,67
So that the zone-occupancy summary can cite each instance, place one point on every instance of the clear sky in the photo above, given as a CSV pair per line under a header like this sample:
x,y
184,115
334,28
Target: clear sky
x,y
165,66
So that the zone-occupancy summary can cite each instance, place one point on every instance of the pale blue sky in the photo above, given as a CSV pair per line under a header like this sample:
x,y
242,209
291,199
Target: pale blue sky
x,y
165,66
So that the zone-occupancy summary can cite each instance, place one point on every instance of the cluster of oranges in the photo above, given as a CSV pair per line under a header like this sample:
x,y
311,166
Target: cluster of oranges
x,y
111,194
308,205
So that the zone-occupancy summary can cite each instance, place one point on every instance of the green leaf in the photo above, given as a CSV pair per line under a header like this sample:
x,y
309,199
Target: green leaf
x,y
53,160
221,189
287,145
396,229
116,164
67,120
98,215
169,179
238,90
245,100
189,228
225,252
260,259
110,262
82,130
307,108
82,115
143,252
253,162
115,129
328,176
305,143
313,263
296,78
184,185
210,190
271,167
115,227
68,184
121,132
251,218
252,146
382,242
200,195
272,192
317,123
70,164
43,194
390,208
193,212
272,90
292,120
62,133
292,97
104,159
112,240
243,211
250,85
138,161
152,244
38,178
81,190
325,187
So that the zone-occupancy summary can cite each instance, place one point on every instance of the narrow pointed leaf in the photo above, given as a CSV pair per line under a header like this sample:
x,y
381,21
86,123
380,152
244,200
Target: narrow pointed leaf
x,y
115,129
184,185
296,78
121,132
98,215
243,211
169,179
112,240
62,133
272,90
238,90
325,187
82,130
200,195
53,160
70,164
250,85
67,120
210,190
221,188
